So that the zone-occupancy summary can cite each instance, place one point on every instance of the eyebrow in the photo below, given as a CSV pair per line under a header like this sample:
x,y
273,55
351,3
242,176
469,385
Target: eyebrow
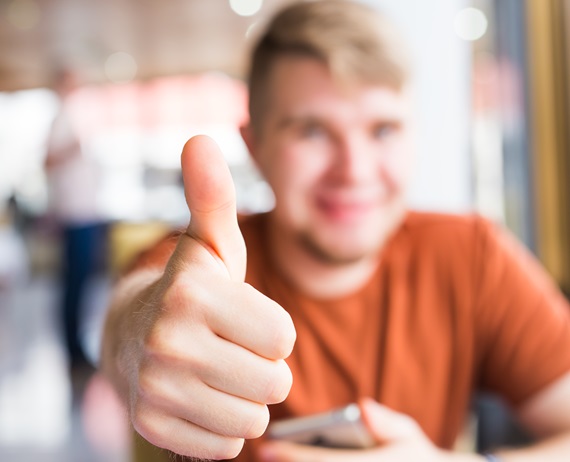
x,y
290,120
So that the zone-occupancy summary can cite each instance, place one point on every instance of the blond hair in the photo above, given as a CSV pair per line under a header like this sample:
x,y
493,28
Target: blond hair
x,y
354,41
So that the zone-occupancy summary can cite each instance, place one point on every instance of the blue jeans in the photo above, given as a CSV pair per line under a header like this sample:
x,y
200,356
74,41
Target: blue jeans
x,y
84,254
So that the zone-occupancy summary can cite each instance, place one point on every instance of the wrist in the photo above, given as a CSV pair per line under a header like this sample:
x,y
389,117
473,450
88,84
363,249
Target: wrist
x,y
491,458
116,357
448,456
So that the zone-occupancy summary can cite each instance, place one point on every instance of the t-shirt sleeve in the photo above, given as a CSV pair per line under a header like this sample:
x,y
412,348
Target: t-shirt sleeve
x,y
155,256
522,320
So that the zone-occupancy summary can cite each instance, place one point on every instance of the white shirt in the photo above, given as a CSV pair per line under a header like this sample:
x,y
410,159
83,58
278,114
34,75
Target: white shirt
x,y
73,175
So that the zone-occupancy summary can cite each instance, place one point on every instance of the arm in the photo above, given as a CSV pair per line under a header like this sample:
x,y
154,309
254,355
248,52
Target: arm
x,y
195,353
546,415
63,143
523,327
400,439
119,337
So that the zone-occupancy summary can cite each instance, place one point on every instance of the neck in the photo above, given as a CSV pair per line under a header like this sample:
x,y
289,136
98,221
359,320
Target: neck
x,y
312,275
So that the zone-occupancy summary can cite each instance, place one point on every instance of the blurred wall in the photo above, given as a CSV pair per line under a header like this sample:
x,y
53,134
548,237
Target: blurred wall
x,y
442,178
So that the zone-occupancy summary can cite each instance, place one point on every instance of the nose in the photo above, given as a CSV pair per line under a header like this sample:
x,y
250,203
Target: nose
x,y
355,161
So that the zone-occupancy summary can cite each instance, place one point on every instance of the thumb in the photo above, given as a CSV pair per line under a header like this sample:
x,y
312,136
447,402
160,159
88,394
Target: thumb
x,y
387,425
210,195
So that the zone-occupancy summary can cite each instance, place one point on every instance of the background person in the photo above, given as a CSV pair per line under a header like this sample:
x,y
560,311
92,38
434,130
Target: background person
x,y
74,177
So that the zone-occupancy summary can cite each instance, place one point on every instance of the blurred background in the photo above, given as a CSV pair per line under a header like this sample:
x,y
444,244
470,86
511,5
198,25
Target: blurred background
x,y
126,82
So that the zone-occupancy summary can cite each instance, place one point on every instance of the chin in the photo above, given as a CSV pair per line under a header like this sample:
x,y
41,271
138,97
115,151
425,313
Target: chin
x,y
341,251
346,244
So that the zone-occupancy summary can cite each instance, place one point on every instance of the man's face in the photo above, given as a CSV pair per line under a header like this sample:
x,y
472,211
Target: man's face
x,y
337,159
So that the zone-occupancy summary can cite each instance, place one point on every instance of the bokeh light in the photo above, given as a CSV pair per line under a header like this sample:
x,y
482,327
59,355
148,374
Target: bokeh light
x,y
470,24
246,7
120,67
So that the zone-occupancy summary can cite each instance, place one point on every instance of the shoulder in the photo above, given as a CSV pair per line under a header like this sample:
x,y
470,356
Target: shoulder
x,y
459,249
471,238
466,233
433,222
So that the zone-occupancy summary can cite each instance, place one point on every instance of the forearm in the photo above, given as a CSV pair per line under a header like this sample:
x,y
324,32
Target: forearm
x,y
120,332
555,449
447,456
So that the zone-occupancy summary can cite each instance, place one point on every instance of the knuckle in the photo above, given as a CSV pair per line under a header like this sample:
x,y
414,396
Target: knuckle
x,y
146,426
158,429
407,424
279,383
278,330
174,292
157,342
257,424
181,292
228,448
284,335
164,345
189,288
169,340
148,387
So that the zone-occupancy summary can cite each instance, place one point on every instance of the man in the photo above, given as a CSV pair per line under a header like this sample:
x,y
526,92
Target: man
x,y
74,179
410,310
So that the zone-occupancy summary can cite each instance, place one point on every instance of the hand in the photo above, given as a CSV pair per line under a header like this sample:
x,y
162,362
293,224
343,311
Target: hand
x,y
209,351
399,437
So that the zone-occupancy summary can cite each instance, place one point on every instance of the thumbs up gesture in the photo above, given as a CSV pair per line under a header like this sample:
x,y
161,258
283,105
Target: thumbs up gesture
x,y
208,350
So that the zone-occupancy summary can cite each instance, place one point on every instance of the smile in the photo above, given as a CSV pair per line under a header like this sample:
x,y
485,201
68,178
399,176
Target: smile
x,y
344,211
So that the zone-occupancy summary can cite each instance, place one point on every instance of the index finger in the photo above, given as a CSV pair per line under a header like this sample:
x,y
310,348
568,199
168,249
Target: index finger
x,y
255,322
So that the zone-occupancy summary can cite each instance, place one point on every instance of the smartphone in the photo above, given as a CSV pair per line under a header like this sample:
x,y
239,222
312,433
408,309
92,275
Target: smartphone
x,y
340,428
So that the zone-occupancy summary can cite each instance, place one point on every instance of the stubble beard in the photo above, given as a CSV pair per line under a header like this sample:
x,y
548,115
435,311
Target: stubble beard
x,y
331,257
325,254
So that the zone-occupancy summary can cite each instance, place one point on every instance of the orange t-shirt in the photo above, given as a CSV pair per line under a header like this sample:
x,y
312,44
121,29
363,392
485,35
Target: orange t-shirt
x,y
456,305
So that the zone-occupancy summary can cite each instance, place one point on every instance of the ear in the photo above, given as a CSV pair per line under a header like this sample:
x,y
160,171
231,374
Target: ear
x,y
248,136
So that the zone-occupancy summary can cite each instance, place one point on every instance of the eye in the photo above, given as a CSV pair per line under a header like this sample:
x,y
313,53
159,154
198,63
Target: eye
x,y
384,130
313,130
